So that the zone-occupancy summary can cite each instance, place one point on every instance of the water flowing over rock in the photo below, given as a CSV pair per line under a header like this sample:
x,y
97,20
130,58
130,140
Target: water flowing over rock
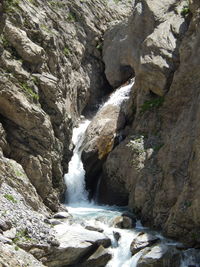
x,y
104,131
58,61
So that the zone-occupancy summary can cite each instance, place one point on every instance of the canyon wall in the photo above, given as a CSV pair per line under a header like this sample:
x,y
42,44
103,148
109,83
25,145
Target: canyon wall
x,y
155,170
51,69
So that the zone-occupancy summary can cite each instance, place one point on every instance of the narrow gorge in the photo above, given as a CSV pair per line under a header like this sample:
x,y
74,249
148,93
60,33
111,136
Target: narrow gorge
x,y
99,145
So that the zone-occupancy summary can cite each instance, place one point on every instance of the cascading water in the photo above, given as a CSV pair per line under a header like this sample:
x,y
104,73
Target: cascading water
x,y
75,178
86,213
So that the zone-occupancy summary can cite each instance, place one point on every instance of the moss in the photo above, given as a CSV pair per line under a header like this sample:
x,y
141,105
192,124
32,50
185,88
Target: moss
x,y
4,41
152,104
10,198
105,145
185,11
66,51
11,5
99,46
71,17
28,90
157,147
22,235
46,28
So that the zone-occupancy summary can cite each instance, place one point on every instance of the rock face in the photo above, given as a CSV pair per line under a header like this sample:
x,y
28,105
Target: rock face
x,y
51,69
155,169
15,256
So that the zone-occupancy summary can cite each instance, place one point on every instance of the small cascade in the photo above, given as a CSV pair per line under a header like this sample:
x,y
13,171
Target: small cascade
x,y
120,96
75,178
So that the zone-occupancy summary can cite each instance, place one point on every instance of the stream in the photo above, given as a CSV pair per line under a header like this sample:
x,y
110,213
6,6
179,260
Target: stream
x,y
86,213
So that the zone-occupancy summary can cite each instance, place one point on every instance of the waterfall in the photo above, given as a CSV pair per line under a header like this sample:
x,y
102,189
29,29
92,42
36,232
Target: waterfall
x,y
75,178
120,95
89,214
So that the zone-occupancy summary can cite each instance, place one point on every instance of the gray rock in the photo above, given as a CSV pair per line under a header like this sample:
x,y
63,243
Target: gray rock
x,y
5,225
5,240
62,215
10,233
28,50
75,244
141,241
54,222
160,256
14,256
92,228
117,236
99,258
123,222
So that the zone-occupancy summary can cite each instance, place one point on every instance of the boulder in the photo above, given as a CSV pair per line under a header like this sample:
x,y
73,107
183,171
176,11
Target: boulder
x,y
62,215
99,141
92,228
160,256
5,225
76,243
123,222
141,241
98,259
10,233
117,236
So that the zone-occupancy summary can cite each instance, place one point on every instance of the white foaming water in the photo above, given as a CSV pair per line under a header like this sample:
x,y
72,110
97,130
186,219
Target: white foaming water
x,y
75,178
120,95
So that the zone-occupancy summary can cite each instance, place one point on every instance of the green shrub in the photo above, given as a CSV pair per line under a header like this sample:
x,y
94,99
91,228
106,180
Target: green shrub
x,y
185,11
27,89
21,235
10,198
71,17
11,5
66,51
152,104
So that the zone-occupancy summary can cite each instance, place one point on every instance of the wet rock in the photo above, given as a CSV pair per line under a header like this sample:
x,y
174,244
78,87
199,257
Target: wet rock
x,y
123,222
92,228
99,141
142,241
54,222
117,236
62,215
98,259
75,244
160,256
